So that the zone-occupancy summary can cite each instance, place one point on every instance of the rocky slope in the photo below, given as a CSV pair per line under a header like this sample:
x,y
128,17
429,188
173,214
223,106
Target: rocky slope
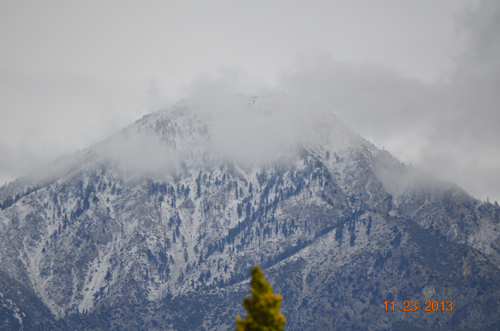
x,y
157,227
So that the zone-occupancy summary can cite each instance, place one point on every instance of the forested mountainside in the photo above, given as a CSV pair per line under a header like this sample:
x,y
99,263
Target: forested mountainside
x,y
157,228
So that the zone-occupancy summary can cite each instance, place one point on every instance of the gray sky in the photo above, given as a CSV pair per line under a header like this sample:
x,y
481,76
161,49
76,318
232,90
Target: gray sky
x,y
418,77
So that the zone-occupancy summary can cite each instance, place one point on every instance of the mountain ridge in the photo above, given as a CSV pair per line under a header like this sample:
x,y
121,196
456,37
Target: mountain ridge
x,y
172,207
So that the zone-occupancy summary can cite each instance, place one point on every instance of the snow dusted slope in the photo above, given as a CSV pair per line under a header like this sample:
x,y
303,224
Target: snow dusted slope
x,y
136,196
182,202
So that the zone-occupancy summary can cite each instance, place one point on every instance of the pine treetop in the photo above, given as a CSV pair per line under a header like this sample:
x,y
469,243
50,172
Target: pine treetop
x,y
263,306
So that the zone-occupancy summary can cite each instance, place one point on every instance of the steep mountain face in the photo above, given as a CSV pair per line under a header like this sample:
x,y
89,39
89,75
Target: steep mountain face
x,y
157,228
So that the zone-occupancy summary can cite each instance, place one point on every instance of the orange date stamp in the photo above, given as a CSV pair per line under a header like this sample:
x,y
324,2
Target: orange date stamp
x,y
413,306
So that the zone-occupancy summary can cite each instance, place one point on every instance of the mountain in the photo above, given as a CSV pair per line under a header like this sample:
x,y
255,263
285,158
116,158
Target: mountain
x,y
157,228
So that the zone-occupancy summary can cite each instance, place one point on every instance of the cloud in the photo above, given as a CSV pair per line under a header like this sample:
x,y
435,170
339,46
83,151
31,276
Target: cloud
x,y
471,114
264,123
16,160
247,130
240,125
45,116
449,127
360,94
139,153
478,25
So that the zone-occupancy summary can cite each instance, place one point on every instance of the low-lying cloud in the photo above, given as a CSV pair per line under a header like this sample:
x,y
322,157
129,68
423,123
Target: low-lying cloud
x,y
139,153
260,125
449,127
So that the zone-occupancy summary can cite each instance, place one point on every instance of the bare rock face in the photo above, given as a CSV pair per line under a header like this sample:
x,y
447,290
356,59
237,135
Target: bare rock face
x,y
157,228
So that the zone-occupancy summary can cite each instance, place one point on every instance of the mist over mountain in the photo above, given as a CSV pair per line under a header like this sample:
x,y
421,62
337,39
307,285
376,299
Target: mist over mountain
x,y
157,227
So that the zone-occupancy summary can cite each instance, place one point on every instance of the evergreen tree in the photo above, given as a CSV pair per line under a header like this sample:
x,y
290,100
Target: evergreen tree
x,y
263,306
198,185
239,210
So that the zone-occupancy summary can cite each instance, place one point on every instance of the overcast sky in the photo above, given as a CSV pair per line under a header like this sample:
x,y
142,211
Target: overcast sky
x,y
420,78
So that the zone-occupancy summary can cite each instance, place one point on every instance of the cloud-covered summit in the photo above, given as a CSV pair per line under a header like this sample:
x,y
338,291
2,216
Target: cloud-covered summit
x,y
447,125
237,128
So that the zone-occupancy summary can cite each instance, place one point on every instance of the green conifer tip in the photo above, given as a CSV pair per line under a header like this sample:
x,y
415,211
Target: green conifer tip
x,y
263,306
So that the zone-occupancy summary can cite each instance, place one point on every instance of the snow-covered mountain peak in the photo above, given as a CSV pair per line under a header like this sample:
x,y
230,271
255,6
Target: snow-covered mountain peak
x,y
243,128
180,204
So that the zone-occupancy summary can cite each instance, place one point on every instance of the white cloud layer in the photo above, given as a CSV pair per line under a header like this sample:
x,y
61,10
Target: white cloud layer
x,y
448,125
